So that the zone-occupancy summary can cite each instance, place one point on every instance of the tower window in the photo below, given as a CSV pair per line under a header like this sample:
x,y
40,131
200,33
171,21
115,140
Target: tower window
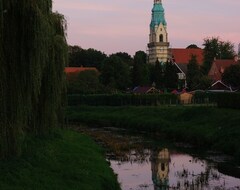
x,y
162,166
161,38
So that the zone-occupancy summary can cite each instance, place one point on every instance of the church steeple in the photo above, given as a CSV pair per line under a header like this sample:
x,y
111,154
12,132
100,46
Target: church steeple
x,y
158,38
158,15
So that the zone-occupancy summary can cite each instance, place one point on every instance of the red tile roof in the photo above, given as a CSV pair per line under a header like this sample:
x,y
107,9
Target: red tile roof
x,y
69,70
223,64
184,55
218,67
72,72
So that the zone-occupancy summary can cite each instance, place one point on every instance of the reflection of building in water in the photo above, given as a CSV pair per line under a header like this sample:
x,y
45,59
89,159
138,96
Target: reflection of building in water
x,y
160,169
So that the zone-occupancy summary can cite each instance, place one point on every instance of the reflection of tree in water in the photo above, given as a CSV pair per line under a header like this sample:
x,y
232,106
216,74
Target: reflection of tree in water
x,y
185,177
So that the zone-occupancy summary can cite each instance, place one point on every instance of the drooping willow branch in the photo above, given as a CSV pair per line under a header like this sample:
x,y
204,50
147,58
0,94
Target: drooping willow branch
x,y
33,53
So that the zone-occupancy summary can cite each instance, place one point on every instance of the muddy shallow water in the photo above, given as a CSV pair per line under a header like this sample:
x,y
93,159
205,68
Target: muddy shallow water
x,y
144,163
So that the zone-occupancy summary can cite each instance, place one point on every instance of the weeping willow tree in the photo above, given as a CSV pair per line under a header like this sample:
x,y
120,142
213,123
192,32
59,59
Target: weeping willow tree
x,y
33,54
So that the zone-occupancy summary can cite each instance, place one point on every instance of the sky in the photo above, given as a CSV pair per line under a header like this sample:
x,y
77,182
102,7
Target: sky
x,y
123,25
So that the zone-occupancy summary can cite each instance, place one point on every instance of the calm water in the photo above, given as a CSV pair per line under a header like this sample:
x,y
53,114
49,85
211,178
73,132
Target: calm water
x,y
166,169
144,163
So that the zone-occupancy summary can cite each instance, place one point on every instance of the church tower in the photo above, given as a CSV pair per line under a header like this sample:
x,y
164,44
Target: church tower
x,y
158,46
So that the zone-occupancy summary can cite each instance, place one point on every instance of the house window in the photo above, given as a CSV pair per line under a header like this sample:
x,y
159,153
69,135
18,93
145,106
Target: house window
x,y
161,38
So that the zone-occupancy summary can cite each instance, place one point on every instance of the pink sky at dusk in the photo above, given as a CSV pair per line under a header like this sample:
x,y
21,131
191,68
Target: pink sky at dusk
x,y
112,26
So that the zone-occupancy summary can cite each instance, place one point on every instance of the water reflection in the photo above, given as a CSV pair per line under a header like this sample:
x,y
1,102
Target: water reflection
x,y
164,169
160,169
141,165
179,171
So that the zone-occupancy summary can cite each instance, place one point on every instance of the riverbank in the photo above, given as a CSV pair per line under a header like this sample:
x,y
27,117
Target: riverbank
x,y
204,127
68,160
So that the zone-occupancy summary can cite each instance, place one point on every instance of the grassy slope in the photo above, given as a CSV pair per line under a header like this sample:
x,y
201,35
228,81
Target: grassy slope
x,y
67,161
203,126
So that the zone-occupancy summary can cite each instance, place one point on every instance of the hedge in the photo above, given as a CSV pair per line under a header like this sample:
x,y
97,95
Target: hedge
x,y
123,100
221,99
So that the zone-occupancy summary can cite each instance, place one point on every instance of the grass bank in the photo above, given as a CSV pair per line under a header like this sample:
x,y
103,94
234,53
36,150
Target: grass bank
x,y
205,127
68,160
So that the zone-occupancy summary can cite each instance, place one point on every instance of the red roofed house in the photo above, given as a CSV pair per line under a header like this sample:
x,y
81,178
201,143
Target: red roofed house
x,y
218,68
219,86
74,71
182,56
181,59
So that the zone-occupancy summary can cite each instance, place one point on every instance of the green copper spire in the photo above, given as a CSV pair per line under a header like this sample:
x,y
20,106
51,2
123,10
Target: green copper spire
x,y
157,14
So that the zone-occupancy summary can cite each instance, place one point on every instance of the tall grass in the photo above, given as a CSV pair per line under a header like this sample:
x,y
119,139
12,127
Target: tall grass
x,y
67,160
205,127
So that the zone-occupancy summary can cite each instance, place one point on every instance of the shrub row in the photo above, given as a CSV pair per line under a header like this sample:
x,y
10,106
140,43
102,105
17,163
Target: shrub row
x,y
223,100
123,99
228,100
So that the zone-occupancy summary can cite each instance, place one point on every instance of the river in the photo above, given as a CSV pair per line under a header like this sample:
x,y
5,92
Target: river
x,y
152,163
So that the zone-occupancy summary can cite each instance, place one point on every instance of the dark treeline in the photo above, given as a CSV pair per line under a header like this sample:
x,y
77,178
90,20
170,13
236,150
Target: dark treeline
x,y
120,71
33,53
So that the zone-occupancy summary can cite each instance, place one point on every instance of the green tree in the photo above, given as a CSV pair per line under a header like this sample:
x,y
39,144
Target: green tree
x,y
193,46
215,48
231,75
170,76
85,82
126,58
85,57
115,73
193,73
204,83
33,56
140,72
158,75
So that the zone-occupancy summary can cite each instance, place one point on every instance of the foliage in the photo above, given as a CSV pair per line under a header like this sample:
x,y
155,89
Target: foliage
x,y
85,82
192,46
33,55
140,72
158,74
126,58
123,99
115,73
222,100
171,77
216,48
193,73
68,160
228,100
85,57
204,127
231,75
204,82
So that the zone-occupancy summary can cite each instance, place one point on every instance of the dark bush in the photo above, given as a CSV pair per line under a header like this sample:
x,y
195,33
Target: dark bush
x,y
122,100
